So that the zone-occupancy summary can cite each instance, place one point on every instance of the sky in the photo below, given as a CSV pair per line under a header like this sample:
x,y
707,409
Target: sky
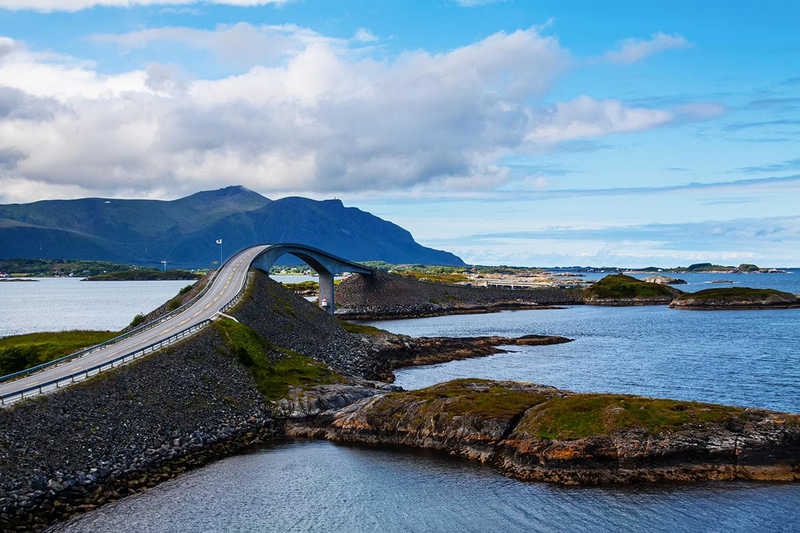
x,y
530,133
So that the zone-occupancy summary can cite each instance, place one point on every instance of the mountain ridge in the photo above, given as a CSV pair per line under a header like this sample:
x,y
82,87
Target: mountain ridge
x,y
184,231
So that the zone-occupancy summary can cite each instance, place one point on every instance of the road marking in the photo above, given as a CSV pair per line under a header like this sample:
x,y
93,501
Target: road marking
x,y
197,313
209,305
215,299
167,330
184,322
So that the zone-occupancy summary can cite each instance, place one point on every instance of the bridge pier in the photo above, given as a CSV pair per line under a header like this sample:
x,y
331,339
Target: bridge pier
x,y
326,291
324,264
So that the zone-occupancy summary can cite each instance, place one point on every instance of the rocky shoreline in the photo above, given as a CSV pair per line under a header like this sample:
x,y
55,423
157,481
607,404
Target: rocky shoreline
x,y
390,296
736,298
400,351
539,433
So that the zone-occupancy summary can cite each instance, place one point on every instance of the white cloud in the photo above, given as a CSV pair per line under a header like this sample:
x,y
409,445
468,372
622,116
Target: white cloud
x,y
47,6
363,35
585,117
322,120
241,44
632,50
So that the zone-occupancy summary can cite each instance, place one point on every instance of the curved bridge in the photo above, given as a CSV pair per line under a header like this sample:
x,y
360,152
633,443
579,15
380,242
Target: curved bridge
x,y
220,294
326,265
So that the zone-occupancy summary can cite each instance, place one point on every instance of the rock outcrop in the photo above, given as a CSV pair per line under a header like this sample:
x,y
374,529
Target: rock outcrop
x,y
622,290
535,432
401,351
392,296
736,298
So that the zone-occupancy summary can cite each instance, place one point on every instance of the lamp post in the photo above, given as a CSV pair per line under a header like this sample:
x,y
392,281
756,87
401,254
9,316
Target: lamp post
x,y
219,241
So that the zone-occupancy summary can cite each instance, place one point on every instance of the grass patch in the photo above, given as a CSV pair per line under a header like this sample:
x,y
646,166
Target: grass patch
x,y
622,286
461,397
735,294
302,286
437,277
585,415
173,304
360,329
273,368
24,351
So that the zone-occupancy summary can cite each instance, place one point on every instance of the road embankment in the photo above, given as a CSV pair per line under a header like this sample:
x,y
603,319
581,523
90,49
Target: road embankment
x,y
389,296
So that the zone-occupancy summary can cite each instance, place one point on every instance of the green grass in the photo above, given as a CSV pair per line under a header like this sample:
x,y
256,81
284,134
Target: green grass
x,y
457,397
273,368
585,415
302,286
733,293
437,277
24,351
360,329
622,286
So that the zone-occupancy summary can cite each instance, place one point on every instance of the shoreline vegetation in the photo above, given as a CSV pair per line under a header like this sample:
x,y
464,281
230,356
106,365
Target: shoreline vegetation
x,y
287,369
146,275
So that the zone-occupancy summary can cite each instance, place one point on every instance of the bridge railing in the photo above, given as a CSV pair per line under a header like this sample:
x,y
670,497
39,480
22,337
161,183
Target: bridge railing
x,y
48,386
92,349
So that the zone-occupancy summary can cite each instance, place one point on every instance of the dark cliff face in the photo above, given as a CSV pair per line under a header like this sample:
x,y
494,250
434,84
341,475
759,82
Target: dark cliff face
x,y
183,232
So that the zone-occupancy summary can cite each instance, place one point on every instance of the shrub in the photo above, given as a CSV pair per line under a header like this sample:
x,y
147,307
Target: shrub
x,y
137,320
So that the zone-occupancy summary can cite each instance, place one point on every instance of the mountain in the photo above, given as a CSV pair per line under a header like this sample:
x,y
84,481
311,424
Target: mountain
x,y
183,232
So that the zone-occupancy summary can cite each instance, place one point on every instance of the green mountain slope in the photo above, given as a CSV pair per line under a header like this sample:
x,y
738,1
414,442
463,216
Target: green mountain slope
x,y
183,232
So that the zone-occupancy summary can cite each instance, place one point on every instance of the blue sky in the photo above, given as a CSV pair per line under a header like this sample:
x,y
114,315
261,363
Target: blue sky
x,y
526,133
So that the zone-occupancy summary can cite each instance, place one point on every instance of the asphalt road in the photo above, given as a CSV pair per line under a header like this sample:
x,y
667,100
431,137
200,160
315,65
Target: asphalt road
x,y
226,285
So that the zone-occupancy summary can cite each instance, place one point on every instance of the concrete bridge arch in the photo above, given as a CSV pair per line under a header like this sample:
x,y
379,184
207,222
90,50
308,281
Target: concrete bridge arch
x,y
325,264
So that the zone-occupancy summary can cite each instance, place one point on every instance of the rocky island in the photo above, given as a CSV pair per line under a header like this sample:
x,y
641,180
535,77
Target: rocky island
x,y
536,432
619,289
392,296
146,275
736,298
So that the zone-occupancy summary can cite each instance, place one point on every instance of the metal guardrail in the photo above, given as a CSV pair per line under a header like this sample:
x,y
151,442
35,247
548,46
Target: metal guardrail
x,y
54,384
82,375
118,338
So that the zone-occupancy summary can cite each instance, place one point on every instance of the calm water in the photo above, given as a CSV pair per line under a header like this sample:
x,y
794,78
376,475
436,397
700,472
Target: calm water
x,y
694,282
745,358
61,304
318,486
749,358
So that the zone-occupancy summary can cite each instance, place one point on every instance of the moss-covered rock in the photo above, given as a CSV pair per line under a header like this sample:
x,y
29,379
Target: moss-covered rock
x,y
619,289
736,298
537,432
